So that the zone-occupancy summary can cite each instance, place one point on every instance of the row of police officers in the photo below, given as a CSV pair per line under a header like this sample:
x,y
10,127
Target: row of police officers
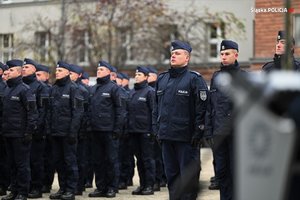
x,y
51,128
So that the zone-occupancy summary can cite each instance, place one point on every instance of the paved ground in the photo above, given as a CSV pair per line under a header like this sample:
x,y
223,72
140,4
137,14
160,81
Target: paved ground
x,y
205,194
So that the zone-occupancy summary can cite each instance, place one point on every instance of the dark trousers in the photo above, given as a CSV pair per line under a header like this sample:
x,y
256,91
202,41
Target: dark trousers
x,y
18,154
159,166
4,169
106,161
49,169
223,156
182,167
90,170
144,153
65,161
125,157
82,162
37,163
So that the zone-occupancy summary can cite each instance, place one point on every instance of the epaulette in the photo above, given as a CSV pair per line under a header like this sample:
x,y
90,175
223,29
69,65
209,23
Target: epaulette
x,y
195,72
162,74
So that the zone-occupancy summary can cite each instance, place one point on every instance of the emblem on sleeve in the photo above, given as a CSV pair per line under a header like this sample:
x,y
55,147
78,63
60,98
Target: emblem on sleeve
x,y
203,95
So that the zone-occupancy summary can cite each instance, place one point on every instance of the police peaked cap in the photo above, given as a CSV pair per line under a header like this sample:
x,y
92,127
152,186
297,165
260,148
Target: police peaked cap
x,y
119,75
62,64
125,76
151,69
76,69
3,66
30,61
85,75
103,63
143,70
281,35
14,63
177,44
114,69
229,44
42,68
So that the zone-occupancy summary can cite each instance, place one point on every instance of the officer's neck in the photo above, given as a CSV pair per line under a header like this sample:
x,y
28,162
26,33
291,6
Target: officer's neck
x,y
29,79
14,81
63,81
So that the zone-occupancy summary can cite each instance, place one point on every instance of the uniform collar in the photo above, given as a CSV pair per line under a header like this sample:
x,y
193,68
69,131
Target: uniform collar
x,y
29,79
175,72
140,85
63,81
14,81
103,80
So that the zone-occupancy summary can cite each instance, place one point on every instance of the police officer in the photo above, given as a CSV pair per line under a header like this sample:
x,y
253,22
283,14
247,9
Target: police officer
x,y
126,159
140,128
40,90
75,75
66,113
125,81
159,174
89,171
219,117
152,78
4,175
279,54
43,74
107,117
19,124
181,98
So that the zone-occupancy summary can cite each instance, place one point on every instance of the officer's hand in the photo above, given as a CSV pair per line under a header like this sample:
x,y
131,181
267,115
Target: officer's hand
x,y
38,136
115,135
151,136
210,142
27,138
72,140
196,141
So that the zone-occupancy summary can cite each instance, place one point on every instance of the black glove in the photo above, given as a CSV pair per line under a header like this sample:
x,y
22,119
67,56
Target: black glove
x,y
196,141
210,142
115,135
151,136
72,140
38,136
27,138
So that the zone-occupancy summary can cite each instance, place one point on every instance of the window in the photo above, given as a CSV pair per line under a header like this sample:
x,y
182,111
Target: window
x,y
83,44
126,51
215,35
6,47
297,30
43,45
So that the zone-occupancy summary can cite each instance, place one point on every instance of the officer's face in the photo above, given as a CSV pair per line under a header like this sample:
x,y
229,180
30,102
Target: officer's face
x,y
179,58
28,69
61,73
102,72
140,77
113,76
5,75
42,76
85,81
280,47
14,72
74,76
119,81
228,56
152,77
125,82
